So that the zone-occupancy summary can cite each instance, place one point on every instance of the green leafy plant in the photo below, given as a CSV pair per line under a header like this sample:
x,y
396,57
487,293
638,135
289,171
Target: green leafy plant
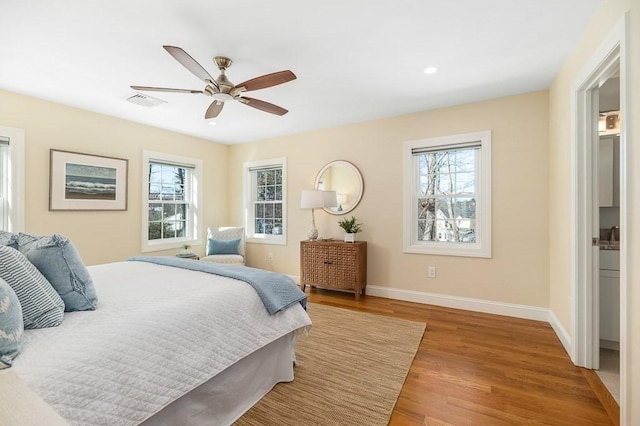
x,y
186,246
350,226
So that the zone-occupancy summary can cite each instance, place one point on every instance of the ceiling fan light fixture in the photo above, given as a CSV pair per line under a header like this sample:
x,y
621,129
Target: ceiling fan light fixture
x,y
221,89
222,97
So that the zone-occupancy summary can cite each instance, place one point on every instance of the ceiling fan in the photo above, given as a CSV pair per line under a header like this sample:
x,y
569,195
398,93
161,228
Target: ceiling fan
x,y
221,89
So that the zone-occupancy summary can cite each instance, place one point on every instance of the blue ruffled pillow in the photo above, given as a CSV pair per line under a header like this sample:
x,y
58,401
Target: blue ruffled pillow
x,y
9,239
11,325
222,246
59,261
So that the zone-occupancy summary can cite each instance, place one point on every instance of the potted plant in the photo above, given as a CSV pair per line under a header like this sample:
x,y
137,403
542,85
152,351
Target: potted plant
x,y
185,249
351,227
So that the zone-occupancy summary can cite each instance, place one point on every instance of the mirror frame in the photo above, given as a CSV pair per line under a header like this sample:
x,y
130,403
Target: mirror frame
x,y
360,180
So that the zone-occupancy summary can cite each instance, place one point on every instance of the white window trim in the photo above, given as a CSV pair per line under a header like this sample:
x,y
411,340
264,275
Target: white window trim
x,y
481,248
196,234
251,236
16,177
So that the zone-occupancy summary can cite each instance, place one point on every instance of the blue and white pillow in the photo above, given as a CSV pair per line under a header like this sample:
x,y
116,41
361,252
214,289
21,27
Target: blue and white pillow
x,y
222,246
9,239
41,306
11,325
59,261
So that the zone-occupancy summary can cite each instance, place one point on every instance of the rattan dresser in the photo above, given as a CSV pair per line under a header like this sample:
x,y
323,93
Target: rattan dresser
x,y
334,264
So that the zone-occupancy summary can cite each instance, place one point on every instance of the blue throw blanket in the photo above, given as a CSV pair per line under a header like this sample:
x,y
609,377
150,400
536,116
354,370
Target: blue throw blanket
x,y
276,291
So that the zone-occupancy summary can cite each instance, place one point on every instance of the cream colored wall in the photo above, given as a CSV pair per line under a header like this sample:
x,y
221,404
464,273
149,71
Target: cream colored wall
x,y
610,14
345,182
518,271
103,236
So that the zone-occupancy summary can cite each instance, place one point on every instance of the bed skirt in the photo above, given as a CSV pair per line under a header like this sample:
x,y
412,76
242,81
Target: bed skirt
x,y
228,395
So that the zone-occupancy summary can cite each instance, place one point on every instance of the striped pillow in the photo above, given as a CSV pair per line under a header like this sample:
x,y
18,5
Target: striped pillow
x,y
41,305
11,325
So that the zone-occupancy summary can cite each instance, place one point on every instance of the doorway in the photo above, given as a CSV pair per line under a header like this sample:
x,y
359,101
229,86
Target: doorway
x,y
607,62
608,202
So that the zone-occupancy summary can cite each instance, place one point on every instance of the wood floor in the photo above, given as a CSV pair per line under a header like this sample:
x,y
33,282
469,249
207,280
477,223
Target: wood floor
x,y
480,369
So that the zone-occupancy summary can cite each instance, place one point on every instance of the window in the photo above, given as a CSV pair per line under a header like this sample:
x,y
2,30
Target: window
x,y
172,201
5,168
447,195
11,179
265,201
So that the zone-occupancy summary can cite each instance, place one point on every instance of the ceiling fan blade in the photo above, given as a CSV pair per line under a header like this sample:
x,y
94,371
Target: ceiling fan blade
x,y
164,89
191,64
268,80
213,110
263,106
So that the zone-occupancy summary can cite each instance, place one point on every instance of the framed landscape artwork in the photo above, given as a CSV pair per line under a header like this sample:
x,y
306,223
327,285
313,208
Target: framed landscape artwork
x,y
87,182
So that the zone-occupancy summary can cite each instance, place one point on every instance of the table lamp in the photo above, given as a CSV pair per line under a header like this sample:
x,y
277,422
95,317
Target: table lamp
x,y
313,199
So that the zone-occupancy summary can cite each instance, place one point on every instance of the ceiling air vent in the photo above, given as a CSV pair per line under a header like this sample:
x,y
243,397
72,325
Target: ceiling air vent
x,y
144,100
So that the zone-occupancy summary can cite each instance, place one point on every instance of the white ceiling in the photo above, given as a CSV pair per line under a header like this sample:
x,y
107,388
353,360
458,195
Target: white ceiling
x,y
356,60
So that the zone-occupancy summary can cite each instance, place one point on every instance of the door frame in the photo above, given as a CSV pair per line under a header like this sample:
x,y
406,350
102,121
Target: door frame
x,y
609,56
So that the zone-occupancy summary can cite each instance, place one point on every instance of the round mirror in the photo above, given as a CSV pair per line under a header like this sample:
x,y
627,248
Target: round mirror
x,y
345,179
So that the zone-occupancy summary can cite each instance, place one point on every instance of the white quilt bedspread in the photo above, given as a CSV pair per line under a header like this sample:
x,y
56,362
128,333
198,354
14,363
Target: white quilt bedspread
x,y
158,333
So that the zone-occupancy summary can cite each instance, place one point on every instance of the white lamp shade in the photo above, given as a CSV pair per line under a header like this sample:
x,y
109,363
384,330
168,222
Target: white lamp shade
x,y
342,198
330,199
312,199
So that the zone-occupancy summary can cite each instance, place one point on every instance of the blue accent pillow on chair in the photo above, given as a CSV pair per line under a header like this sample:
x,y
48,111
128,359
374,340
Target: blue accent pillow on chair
x,y
59,261
11,325
222,246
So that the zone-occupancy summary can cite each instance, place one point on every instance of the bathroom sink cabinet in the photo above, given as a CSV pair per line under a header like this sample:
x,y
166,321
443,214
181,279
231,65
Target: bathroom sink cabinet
x,y
610,299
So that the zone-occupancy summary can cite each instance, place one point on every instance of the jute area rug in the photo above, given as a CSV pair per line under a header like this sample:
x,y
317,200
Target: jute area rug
x,y
349,371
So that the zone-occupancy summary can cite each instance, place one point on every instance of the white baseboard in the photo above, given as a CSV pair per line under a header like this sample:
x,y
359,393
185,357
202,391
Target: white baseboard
x,y
295,278
560,332
477,305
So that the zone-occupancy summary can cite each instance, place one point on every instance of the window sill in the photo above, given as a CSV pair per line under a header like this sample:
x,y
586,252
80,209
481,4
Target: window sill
x,y
264,240
449,250
150,247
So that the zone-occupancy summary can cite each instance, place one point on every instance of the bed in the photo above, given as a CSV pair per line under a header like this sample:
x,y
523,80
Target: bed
x,y
165,346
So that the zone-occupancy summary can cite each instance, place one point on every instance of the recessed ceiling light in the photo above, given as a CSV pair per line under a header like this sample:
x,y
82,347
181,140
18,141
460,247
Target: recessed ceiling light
x,y
212,123
431,70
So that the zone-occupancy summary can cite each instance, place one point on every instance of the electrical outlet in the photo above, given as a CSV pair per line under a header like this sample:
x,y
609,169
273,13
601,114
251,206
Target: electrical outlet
x,y
432,272
270,257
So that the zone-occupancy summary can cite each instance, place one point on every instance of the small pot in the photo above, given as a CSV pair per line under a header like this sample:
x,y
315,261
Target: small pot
x,y
349,238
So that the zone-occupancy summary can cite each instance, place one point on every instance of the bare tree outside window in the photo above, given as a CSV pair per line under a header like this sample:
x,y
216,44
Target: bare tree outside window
x,y
168,202
446,199
447,195
267,204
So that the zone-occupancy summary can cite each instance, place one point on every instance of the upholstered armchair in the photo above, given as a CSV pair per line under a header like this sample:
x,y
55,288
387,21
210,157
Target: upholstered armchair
x,y
225,245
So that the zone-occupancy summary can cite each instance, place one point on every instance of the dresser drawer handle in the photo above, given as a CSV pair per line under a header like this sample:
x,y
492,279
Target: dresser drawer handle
x,y
328,262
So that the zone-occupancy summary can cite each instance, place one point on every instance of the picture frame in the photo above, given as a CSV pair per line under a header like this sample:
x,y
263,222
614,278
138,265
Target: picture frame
x,y
80,181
